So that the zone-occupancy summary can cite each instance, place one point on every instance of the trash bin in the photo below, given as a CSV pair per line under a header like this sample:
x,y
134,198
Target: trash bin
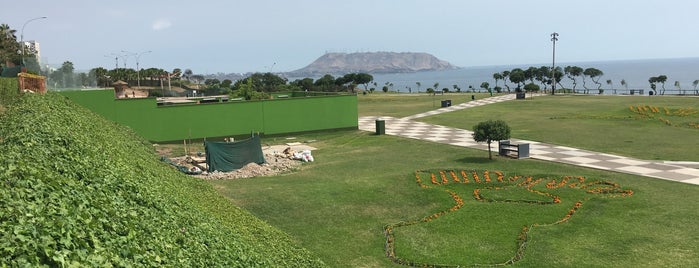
x,y
473,97
444,103
380,127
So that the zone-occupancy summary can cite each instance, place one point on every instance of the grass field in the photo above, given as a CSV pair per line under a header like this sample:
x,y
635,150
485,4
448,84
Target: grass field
x,y
339,205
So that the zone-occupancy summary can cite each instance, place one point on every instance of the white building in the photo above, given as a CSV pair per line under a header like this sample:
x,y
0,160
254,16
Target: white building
x,y
32,46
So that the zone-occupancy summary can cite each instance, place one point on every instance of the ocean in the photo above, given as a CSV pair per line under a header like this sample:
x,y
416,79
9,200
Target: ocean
x,y
635,72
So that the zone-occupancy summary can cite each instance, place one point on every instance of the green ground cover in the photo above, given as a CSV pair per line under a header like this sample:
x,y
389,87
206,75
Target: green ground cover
x,y
79,191
339,206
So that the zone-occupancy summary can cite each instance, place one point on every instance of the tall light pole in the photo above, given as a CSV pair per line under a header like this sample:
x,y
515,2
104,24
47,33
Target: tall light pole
x,y
554,38
21,35
138,71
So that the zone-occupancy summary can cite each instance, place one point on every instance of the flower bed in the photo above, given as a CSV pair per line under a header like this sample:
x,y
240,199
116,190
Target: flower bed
x,y
444,178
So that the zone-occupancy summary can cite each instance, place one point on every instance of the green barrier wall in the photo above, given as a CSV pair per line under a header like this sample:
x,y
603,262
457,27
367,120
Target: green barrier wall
x,y
177,122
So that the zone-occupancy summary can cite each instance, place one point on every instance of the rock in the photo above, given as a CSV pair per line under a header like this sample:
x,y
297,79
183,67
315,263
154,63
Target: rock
x,y
372,62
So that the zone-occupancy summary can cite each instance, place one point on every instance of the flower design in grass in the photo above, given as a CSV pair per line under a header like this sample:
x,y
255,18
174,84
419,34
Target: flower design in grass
x,y
489,210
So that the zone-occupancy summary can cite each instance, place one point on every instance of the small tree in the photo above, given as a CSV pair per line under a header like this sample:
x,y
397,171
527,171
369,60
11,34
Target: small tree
x,y
531,88
489,131
485,85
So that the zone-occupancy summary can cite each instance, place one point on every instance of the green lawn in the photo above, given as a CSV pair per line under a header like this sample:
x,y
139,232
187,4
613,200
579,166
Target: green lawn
x,y
597,123
338,206
401,105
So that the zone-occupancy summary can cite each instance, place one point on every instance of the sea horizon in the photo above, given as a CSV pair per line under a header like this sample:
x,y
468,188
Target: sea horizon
x,y
635,72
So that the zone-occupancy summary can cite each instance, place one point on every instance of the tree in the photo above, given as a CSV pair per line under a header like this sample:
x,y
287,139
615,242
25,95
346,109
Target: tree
x,y
101,76
662,79
505,75
530,73
67,75
226,83
9,46
572,72
531,88
418,86
624,84
695,83
543,75
594,75
489,131
436,87
497,76
652,80
517,76
679,88
485,85
187,74
611,86
176,74
363,78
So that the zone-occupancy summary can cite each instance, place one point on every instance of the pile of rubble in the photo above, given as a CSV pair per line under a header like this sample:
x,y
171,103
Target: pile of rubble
x,y
279,159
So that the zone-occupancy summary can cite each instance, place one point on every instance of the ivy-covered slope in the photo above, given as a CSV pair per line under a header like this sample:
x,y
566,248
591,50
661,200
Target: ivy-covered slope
x,y
78,190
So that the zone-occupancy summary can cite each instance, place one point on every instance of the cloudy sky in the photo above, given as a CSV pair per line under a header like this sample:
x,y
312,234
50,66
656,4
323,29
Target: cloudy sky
x,y
283,35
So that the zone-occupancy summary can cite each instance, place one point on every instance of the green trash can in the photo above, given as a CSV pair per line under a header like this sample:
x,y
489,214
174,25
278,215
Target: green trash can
x,y
380,127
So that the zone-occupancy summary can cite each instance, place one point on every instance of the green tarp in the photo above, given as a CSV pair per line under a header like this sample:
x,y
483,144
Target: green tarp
x,y
228,156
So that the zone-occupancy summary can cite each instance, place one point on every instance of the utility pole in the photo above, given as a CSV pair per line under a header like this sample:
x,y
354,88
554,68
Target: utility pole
x,y
138,71
554,38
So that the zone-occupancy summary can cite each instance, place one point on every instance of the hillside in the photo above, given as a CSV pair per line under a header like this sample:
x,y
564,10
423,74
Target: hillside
x,y
372,62
78,190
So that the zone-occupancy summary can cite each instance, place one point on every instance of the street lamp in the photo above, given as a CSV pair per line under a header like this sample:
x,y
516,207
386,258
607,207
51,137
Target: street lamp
x,y
21,35
138,71
554,38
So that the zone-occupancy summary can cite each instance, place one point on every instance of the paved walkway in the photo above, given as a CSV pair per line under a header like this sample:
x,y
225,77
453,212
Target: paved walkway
x,y
687,172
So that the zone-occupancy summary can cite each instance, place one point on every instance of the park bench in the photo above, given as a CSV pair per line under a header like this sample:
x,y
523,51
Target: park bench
x,y
513,150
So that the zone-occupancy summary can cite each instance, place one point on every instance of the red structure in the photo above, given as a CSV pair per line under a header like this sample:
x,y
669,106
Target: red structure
x,y
31,83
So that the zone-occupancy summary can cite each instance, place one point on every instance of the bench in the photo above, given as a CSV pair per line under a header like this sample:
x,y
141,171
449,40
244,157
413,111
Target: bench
x,y
513,150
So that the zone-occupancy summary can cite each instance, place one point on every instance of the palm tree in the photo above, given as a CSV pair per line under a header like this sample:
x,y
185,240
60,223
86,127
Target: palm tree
x,y
695,83
624,84
9,45
418,86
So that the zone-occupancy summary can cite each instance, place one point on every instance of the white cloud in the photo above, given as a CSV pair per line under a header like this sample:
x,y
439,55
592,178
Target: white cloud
x,y
161,24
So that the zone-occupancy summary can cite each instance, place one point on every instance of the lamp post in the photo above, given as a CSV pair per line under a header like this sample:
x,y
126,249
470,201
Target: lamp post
x,y
21,35
138,71
554,38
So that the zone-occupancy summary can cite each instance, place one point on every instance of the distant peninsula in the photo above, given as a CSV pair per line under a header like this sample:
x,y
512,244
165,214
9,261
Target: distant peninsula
x,y
372,62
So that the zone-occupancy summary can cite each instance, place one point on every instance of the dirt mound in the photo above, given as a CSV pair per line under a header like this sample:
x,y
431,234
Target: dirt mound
x,y
276,162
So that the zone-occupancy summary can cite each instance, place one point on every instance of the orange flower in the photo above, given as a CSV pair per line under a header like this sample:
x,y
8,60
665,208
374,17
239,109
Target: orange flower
x,y
500,175
444,177
453,175
465,176
434,179
475,177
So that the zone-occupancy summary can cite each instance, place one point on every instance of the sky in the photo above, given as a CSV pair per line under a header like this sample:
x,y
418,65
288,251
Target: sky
x,y
239,36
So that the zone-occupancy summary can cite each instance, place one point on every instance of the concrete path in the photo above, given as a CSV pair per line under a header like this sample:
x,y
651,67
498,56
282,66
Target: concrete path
x,y
687,172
